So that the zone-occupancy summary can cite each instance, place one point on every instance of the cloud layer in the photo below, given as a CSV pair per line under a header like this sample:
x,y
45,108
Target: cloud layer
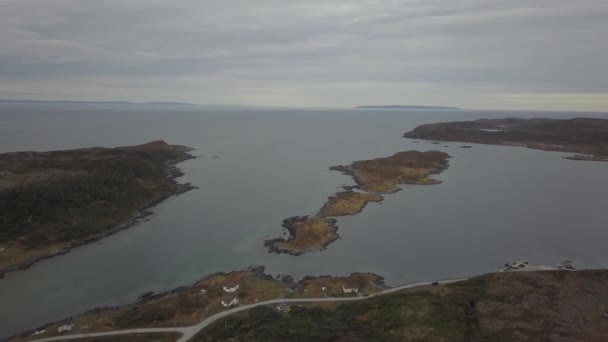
x,y
478,53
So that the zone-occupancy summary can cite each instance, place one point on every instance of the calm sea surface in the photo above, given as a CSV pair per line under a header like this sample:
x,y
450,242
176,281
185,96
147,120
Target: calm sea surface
x,y
496,204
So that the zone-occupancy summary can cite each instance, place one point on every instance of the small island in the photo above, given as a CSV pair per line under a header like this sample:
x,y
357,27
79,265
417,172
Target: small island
x,y
373,178
55,201
587,137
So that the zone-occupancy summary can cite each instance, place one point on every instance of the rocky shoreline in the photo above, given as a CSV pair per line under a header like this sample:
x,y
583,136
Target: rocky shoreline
x,y
280,245
141,212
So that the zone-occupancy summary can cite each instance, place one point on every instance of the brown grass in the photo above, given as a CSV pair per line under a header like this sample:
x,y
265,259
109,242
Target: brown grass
x,y
347,203
188,306
308,233
383,175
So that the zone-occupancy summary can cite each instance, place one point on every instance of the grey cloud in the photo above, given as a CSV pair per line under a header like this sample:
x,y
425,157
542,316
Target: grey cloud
x,y
257,51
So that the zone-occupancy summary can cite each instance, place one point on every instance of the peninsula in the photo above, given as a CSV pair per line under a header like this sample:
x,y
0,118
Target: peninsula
x,y
587,137
372,178
54,201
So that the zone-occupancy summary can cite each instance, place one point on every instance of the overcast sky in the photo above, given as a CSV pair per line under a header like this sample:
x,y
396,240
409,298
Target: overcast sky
x,y
512,54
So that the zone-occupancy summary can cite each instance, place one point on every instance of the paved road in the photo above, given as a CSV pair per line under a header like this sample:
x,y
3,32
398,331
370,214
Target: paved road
x,y
189,332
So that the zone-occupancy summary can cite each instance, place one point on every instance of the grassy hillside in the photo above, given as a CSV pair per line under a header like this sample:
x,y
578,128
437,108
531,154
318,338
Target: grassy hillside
x,y
519,306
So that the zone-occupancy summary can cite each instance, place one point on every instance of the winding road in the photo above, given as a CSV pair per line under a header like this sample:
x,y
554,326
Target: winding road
x,y
189,332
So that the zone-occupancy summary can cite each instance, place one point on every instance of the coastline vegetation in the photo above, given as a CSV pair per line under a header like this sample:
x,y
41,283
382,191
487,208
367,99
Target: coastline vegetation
x,y
516,306
53,201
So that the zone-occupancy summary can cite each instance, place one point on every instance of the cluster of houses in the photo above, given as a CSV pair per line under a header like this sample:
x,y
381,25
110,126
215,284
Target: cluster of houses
x,y
226,289
235,300
62,327
522,265
345,289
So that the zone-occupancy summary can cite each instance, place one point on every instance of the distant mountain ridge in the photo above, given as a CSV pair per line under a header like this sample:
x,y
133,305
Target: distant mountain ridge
x,y
405,107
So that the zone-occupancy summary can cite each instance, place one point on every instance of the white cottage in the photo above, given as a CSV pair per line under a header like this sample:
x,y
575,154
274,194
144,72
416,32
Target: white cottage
x,y
231,289
65,327
349,290
234,301
39,332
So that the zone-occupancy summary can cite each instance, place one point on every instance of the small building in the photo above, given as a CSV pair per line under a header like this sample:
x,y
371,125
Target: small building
x,y
203,291
565,265
65,327
231,289
39,332
323,288
349,290
283,308
234,301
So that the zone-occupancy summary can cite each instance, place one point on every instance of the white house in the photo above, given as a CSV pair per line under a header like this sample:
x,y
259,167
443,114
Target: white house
x,y
39,332
283,307
235,301
203,291
65,327
231,289
349,290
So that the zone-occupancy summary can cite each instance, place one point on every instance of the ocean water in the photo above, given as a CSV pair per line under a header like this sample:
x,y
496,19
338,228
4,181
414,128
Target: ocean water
x,y
495,204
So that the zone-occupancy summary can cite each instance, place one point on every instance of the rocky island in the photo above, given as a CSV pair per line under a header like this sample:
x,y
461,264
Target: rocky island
x,y
51,202
372,178
587,137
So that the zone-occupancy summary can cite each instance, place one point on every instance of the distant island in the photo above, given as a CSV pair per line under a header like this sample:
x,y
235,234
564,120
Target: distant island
x,y
54,201
406,107
587,137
